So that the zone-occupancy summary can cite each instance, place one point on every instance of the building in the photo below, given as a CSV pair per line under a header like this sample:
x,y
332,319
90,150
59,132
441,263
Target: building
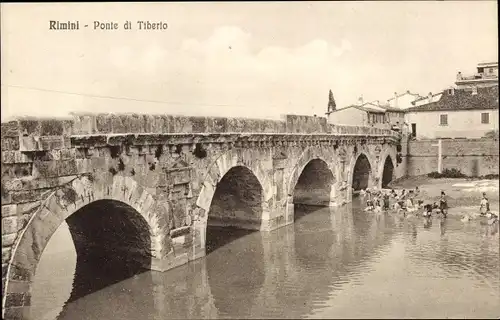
x,y
403,101
455,113
371,114
366,114
431,97
486,76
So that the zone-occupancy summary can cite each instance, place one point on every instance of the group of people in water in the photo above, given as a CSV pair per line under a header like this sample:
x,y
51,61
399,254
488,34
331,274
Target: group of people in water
x,y
410,202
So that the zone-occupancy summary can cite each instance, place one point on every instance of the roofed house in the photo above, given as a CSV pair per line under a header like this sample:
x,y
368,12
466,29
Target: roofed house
x,y
486,76
365,114
403,101
455,113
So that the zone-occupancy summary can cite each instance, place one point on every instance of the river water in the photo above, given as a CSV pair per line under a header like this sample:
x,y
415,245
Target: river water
x,y
332,263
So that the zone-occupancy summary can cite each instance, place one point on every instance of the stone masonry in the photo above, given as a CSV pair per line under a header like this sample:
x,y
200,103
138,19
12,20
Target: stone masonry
x,y
164,173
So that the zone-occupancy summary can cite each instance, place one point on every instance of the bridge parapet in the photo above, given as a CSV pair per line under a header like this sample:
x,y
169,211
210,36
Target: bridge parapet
x,y
53,134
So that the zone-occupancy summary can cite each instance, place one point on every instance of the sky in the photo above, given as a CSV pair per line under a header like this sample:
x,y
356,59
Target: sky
x,y
242,59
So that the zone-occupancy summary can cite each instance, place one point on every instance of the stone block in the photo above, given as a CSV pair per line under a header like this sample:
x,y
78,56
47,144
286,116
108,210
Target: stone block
x,y
179,240
135,123
67,168
16,169
27,209
179,212
104,123
17,313
10,129
10,143
45,169
182,124
51,142
9,210
5,255
14,300
46,155
12,185
26,196
19,274
15,157
220,125
199,124
9,225
28,143
178,232
51,127
157,124
8,239
83,165
67,154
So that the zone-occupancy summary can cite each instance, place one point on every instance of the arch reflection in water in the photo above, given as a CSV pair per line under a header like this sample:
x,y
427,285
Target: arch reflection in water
x,y
303,262
180,293
112,243
232,241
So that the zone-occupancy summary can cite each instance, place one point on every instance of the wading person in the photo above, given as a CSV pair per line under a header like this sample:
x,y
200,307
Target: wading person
x,y
485,205
443,204
386,202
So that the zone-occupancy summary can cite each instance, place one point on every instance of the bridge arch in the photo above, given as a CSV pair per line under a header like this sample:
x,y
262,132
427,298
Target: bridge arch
x,y
235,176
386,171
360,173
313,178
387,166
123,201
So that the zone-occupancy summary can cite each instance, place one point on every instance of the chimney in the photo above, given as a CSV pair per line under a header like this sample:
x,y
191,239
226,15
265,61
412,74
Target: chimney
x,y
395,99
459,75
361,100
429,97
408,91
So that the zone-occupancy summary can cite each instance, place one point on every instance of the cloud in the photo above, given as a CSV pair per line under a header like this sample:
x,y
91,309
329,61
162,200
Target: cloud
x,y
222,69
223,74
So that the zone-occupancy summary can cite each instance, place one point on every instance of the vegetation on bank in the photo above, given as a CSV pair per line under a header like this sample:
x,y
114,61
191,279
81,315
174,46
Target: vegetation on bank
x,y
454,173
491,134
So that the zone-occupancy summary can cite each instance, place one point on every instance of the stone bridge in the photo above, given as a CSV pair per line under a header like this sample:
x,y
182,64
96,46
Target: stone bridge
x,y
144,188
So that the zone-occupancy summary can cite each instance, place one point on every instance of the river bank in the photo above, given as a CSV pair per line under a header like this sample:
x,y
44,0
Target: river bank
x,y
464,194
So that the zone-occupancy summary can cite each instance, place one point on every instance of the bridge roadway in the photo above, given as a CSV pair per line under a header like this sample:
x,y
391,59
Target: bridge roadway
x,y
157,182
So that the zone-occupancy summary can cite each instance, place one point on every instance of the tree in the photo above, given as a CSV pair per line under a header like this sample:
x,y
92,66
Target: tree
x,y
331,102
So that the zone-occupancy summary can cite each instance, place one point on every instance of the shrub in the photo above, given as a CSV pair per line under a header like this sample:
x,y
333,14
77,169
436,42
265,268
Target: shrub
x,y
447,173
491,134
491,176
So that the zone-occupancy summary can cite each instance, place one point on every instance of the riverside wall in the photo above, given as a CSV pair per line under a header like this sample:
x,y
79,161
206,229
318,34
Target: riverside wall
x,y
473,157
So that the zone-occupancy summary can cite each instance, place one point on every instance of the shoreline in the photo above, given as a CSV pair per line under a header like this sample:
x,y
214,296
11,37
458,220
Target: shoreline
x,y
463,194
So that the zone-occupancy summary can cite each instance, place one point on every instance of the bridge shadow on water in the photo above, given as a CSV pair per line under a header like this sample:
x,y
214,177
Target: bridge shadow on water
x,y
288,272
112,243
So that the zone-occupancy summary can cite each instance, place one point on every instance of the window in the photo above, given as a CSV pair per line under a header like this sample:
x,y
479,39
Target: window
x,y
485,118
443,119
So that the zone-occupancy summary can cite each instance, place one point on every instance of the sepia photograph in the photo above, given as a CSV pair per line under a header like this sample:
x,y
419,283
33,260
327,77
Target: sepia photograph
x,y
250,160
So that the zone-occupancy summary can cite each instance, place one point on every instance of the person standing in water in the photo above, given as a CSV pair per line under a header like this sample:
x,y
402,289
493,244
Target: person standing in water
x,y
485,205
386,202
443,204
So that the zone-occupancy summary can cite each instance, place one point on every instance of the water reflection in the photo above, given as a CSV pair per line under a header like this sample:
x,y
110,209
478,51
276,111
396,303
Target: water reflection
x,y
321,266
